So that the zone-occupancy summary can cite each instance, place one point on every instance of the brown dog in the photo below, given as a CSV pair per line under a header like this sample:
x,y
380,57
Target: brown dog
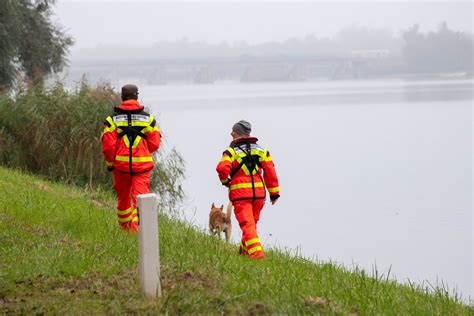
x,y
219,221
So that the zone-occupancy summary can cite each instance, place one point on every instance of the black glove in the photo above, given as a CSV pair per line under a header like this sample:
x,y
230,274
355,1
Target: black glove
x,y
274,197
110,168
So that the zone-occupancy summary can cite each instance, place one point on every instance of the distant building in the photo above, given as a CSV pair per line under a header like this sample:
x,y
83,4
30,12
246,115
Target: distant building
x,y
370,53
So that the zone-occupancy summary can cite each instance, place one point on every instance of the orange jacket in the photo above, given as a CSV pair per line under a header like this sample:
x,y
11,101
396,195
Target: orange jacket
x,y
130,137
241,168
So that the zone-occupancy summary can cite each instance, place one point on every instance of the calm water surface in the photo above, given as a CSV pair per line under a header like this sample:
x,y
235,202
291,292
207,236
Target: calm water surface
x,y
373,173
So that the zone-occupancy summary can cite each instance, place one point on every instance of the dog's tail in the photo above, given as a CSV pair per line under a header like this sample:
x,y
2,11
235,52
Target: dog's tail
x,y
229,213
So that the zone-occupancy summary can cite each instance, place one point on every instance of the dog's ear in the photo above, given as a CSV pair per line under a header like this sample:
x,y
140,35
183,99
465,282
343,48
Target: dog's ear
x,y
213,206
222,207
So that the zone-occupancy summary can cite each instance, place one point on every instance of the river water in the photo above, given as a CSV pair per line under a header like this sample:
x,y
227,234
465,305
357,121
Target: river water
x,y
372,173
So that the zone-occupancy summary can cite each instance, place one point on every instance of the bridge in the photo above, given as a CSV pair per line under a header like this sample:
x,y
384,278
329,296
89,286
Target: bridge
x,y
243,68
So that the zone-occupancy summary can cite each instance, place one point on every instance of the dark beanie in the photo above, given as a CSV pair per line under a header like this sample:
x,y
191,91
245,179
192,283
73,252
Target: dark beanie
x,y
242,127
130,91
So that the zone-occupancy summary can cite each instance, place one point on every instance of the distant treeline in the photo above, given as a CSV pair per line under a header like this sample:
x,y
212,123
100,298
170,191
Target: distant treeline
x,y
441,50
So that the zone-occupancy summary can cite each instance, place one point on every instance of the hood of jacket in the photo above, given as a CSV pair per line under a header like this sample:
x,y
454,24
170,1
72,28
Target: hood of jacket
x,y
244,140
129,105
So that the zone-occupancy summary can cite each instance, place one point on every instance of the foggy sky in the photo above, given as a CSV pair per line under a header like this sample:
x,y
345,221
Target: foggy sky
x,y
142,23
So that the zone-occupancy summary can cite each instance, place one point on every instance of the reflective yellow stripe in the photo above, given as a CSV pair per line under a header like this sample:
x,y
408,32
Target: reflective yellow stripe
x,y
137,140
239,157
126,219
243,246
254,249
126,141
124,212
134,159
112,124
246,185
108,129
147,129
109,163
144,124
155,128
232,152
110,121
252,152
252,241
244,166
150,129
273,190
268,159
135,215
226,158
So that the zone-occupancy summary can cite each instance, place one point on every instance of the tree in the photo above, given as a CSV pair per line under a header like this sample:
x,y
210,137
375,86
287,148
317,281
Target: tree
x,y
442,51
362,37
30,43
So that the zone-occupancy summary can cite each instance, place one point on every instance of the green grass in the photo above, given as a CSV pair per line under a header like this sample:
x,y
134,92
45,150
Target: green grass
x,y
61,251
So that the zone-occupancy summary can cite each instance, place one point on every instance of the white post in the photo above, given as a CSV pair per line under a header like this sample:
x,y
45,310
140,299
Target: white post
x,y
148,248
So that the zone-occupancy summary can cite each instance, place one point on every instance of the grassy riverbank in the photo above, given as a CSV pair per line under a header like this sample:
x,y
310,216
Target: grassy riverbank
x,y
62,252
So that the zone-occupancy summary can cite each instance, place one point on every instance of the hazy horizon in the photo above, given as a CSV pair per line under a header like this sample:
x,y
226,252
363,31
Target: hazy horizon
x,y
113,23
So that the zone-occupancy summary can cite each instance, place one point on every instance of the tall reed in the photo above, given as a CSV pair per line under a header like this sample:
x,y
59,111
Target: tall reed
x,y
56,133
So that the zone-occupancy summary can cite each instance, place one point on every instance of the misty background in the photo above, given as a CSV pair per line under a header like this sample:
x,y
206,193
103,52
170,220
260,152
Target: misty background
x,y
203,42
378,95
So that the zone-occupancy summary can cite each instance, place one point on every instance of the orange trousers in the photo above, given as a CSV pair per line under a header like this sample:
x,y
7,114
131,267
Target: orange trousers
x,y
127,187
248,215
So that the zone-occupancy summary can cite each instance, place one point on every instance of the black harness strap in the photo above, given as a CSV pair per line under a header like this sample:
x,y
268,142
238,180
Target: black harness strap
x,y
236,169
107,123
248,160
251,165
132,140
131,132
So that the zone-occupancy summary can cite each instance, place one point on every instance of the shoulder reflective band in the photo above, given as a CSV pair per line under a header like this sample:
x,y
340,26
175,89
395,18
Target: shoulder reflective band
x,y
150,129
109,122
226,158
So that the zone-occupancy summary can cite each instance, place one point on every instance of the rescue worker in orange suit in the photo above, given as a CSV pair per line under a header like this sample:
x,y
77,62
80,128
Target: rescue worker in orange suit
x,y
130,137
247,169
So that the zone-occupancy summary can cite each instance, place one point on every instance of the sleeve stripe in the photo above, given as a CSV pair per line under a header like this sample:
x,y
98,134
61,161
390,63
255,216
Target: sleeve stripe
x,y
226,158
274,190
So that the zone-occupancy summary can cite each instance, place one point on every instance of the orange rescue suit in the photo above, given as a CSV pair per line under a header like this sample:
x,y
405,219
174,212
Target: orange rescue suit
x,y
247,169
130,137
